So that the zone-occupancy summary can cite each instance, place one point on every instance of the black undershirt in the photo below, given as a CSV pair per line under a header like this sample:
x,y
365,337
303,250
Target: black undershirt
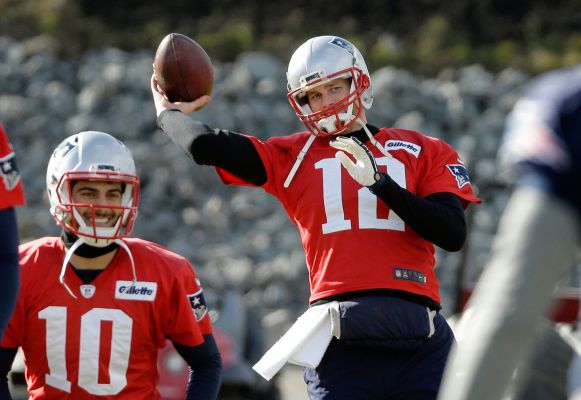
x,y
87,275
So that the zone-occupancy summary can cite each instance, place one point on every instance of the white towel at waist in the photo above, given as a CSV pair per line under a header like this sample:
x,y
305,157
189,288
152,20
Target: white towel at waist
x,y
305,342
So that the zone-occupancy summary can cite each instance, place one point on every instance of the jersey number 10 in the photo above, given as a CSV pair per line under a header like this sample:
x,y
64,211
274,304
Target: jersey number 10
x,y
89,346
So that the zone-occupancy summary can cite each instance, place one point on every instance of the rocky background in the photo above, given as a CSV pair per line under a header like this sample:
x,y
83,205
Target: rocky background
x,y
238,238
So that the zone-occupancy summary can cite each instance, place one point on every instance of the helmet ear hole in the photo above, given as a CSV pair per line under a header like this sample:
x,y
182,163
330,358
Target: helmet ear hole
x,y
302,100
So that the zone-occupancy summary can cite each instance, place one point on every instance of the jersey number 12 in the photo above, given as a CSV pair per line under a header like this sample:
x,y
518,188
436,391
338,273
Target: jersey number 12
x,y
367,201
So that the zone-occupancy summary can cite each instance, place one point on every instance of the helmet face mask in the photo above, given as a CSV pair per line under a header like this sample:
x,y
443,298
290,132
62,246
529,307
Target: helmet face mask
x,y
321,60
92,156
335,118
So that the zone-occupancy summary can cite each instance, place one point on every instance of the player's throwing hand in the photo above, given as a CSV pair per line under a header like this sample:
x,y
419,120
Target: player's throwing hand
x,y
162,103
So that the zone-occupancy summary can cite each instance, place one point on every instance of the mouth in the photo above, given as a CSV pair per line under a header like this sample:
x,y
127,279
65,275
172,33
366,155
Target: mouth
x,y
335,124
103,222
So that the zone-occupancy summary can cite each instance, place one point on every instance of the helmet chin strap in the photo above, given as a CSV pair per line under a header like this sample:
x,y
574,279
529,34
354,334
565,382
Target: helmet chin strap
x,y
85,229
298,161
372,139
80,241
329,124
86,250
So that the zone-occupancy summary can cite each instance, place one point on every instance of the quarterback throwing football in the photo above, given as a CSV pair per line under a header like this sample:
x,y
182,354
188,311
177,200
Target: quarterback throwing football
x,y
370,204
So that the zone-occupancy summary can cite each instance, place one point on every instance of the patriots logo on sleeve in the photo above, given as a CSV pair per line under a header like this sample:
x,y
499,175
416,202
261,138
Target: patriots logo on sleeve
x,y
459,172
9,171
198,304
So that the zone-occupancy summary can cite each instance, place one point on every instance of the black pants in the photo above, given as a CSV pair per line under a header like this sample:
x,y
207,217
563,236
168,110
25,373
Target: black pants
x,y
353,372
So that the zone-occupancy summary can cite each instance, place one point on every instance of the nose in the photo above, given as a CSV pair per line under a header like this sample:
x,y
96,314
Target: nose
x,y
328,100
101,200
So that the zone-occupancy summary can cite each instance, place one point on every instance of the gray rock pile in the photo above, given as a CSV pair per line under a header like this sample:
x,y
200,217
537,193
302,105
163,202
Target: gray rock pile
x,y
237,238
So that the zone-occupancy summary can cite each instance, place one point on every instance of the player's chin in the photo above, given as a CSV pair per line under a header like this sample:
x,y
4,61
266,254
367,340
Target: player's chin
x,y
343,131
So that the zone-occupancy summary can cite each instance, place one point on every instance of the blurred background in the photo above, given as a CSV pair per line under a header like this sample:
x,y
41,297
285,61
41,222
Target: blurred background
x,y
449,69
423,36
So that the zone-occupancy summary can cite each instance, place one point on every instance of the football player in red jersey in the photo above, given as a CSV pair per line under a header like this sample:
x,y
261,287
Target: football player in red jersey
x,y
368,228
11,195
95,306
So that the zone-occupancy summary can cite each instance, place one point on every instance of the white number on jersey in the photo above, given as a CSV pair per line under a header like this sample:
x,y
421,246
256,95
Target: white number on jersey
x,y
89,346
367,201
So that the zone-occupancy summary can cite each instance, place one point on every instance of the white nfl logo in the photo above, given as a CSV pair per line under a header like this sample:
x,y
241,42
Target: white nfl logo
x,y
87,291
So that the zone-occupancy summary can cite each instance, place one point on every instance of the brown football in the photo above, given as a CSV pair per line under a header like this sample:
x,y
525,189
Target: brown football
x,y
182,68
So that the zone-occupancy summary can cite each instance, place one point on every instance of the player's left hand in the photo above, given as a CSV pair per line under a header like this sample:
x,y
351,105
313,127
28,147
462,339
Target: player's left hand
x,y
364,170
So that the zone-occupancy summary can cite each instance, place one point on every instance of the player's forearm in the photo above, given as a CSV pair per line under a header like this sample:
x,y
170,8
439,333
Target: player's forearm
x,y
438,218
181,129
6,359
221,148
205,369
204,382
8,265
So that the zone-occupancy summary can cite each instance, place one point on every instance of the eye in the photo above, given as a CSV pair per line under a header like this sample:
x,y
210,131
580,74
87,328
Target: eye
x,y
314,96
86,194
336,89
114,195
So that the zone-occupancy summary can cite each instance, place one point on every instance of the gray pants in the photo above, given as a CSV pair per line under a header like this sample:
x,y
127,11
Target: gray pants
x,y
535,245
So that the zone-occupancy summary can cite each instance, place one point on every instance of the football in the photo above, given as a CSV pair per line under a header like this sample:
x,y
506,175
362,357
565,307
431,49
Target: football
x,y
182,69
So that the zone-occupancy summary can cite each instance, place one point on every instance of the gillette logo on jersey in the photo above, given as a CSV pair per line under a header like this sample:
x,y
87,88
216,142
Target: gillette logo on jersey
x,y
411,148
127,290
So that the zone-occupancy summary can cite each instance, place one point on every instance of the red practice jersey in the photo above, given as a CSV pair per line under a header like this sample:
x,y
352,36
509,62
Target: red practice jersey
x,y
103,344
11,191
352,240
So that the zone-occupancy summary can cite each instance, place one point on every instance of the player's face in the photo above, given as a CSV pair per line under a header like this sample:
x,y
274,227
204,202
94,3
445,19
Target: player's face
x,y
330,93
105,195
324,95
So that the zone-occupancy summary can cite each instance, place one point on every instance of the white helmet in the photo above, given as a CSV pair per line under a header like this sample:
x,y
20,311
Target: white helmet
x,y
92,156
316,62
